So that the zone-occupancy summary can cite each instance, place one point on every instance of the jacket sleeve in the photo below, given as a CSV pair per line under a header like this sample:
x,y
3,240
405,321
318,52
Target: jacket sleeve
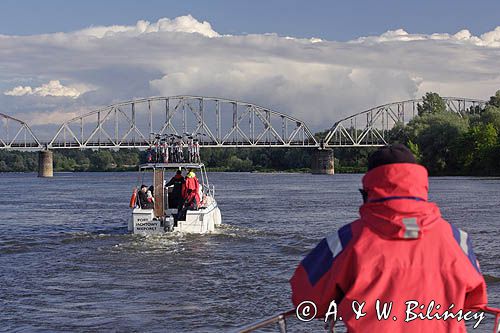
x,y
170,182
324,274
476,296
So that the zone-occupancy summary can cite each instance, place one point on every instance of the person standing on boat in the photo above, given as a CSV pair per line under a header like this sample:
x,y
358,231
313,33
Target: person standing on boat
x,y
178,182
193,184
190,203
400,250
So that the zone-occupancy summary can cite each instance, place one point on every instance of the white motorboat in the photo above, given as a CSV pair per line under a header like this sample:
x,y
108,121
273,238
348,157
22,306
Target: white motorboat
x,y
162,217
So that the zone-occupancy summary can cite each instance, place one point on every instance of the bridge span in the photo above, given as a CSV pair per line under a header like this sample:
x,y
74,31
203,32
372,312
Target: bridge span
x,y
218,122
370,128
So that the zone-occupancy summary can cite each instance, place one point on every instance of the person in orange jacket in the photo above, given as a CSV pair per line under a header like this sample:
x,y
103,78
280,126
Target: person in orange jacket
x,y
400,250
191,183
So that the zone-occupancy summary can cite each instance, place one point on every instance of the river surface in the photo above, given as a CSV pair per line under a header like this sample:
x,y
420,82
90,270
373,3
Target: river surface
x,y
67,262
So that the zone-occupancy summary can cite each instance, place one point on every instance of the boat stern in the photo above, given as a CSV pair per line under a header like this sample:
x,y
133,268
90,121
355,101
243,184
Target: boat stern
x,y
143,222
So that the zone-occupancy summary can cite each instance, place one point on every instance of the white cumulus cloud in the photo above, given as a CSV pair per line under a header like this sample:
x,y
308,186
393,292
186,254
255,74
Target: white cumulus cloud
x,y
19,91
489,39
317,80
187,24
52,88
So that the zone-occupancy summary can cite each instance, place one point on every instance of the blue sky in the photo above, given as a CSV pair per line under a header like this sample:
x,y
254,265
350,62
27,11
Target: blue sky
x,y
332,20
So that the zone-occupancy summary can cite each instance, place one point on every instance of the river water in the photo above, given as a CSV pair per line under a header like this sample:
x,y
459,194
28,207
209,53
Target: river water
x,y
67,262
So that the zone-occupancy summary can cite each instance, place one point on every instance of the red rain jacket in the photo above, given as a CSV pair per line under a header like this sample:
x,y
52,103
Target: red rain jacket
x,y
193,184
400,249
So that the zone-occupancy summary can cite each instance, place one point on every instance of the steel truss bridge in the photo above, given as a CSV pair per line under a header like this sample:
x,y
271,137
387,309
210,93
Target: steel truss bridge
x,y
371,127
220,123
15,133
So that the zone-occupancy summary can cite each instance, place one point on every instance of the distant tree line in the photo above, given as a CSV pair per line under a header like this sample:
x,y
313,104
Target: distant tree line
x,y
73,160
216,159
445,142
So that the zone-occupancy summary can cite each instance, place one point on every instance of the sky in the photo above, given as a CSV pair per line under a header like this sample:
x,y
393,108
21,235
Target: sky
x,y
327,19
316,60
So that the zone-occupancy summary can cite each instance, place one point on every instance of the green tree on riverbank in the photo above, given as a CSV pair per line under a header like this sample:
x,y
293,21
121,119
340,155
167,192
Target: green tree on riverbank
x,y
432,104
451,144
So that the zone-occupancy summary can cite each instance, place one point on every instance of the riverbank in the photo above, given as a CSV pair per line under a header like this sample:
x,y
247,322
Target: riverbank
x,y
276,160
340,171
213,169
295,160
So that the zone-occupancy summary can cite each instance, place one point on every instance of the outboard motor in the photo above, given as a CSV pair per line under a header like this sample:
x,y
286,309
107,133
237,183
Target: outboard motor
x,y
168,224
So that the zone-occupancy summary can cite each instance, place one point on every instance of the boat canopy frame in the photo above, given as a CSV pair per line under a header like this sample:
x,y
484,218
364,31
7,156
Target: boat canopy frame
x,y
206,188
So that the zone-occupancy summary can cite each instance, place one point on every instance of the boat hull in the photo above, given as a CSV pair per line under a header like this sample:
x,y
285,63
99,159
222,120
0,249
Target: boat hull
x,y
200,221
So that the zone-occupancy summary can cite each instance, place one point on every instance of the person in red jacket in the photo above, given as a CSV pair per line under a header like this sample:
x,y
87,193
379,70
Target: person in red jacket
x,y
400,250
191,183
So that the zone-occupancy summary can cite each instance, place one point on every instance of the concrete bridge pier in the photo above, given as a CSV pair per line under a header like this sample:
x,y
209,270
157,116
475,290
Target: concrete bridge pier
x,y
45,163
322,162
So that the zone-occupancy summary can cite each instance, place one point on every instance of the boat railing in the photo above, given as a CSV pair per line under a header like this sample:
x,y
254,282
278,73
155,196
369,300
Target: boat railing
x,y
280,321
209,190
495,312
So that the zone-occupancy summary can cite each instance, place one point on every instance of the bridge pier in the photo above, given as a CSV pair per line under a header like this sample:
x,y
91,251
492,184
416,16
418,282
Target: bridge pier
x,y
322,162
45,163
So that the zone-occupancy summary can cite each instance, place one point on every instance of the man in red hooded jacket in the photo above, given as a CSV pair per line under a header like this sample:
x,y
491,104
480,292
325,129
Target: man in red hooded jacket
x,y
400,250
